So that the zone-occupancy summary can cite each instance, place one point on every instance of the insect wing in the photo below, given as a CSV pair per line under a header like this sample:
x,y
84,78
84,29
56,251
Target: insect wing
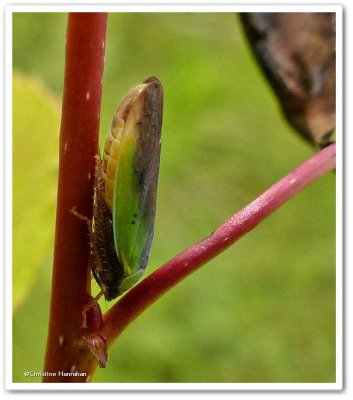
x,y
134,198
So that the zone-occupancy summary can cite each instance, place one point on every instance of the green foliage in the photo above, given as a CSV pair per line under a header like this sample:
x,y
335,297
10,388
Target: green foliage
x,y
264,311
35,135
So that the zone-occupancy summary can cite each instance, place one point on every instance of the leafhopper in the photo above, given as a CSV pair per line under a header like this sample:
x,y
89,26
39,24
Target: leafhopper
x,y
126,178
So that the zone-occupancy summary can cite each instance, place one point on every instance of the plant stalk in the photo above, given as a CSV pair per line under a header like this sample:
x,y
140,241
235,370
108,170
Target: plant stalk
x,y
78,146
145,293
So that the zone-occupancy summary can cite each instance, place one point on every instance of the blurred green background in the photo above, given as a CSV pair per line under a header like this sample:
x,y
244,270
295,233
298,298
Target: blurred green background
x,y
263,311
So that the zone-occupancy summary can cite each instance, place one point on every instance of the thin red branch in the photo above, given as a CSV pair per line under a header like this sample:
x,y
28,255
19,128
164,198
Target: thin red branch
x,y
78,146
155,285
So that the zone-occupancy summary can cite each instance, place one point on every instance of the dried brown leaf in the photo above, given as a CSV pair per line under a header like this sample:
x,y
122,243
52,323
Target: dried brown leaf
x,y
297,54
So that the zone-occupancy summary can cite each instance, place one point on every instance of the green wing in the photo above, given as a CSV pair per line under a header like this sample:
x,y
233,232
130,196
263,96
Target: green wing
x,y
135,188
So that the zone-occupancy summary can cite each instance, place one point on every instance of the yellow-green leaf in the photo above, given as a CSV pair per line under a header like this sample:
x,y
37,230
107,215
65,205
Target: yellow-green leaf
x,y
35,147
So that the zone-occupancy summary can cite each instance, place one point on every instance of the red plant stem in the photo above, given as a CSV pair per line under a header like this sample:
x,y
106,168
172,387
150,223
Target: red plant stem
x,y
78,146
155,285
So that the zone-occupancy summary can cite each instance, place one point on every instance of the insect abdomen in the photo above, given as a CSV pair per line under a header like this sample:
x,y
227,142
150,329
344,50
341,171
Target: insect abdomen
x,y
107,269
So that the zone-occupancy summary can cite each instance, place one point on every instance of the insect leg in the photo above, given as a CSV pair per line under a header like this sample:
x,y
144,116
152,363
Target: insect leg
x,y
94,300
88,306
88,221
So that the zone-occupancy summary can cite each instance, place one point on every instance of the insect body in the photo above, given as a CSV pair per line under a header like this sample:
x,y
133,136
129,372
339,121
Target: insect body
x,y
125,191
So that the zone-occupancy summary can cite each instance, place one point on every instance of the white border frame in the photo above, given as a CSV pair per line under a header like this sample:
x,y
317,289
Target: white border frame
x,y
197,6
